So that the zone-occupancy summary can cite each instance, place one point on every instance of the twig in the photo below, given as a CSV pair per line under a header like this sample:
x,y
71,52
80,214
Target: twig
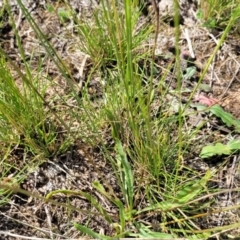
x,y
189,43
229,184
19,19
213,38
230,83
17,236
49,220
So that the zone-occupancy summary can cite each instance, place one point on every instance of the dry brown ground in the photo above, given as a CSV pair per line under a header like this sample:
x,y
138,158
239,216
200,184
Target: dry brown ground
x,y
81,165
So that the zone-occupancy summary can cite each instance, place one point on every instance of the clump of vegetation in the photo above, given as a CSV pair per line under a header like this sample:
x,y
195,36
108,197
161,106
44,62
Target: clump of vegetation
x,y
216,14
149,143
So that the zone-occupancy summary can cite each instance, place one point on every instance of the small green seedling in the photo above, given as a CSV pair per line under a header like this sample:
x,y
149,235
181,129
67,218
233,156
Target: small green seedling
x,y
49,8
64,15
190,71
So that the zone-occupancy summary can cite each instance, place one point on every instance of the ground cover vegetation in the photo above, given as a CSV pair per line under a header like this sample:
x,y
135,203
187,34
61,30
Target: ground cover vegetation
x,y
119,119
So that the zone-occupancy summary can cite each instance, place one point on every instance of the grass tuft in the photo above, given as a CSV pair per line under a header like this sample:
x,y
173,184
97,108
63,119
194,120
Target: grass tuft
x,y
143,118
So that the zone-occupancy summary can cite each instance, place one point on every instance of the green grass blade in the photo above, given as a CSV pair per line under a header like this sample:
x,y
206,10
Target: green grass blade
x,y
89,232
126,174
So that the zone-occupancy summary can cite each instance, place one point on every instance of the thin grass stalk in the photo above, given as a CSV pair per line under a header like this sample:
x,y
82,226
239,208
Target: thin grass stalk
x,y
114,29
130,78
